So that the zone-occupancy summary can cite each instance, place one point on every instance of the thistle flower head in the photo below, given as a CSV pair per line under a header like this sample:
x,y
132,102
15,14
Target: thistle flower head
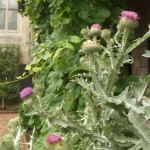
x,y
25,92
95,30
52,138
129,15
129,19
96,26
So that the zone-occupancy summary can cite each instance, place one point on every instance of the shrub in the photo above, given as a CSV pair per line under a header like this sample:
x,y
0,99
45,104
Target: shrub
x,y
9,70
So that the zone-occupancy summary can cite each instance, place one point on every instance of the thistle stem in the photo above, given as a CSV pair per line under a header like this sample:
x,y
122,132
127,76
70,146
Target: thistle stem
x,y
114,72
110,49
138,42
96,81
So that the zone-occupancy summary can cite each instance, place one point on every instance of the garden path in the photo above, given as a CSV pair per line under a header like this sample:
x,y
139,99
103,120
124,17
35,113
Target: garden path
x,y
5,116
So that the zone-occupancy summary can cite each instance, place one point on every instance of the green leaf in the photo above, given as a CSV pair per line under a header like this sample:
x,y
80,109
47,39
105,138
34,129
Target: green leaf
x,y
36,69
66,20
83,13
129,102
146,54
146,105
75,39
138,146
19,77
69,46
101,14
140,87
140,127
105,114
57,53
28,67
44,55
59,2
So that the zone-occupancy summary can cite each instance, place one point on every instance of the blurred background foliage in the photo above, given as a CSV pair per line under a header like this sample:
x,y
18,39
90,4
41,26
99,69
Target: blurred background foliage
x,y
9,70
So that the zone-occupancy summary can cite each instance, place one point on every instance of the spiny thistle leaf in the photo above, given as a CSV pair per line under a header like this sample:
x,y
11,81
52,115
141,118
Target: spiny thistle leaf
x,y
140,128
127,101
140,87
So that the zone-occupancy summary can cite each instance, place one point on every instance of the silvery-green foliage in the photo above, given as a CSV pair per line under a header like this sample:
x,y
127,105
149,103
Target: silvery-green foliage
x,y
82,106
103,120
7,143
122,120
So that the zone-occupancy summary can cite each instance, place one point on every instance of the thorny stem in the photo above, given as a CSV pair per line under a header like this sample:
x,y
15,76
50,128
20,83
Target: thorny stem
x,y
138,42
121,54
115,39
95,79
110,49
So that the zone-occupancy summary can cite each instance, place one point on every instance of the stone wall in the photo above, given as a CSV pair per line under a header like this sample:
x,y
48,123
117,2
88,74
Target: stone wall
x,y
21,36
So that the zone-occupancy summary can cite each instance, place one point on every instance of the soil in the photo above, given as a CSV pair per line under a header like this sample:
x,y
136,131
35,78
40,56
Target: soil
x,y
5,116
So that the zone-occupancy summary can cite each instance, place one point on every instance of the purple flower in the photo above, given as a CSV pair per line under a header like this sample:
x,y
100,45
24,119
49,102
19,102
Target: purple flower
x,y
129,15
52,138
25,92
96,27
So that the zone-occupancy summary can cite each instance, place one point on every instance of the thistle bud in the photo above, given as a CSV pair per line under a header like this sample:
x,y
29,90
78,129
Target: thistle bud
x,y
27,105
7,143
105,34
85,31
128,23
90,46
95,30
13,123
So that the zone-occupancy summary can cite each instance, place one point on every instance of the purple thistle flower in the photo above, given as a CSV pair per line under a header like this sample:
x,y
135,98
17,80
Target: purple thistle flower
x,y
52,138
25,92
96,27
129,15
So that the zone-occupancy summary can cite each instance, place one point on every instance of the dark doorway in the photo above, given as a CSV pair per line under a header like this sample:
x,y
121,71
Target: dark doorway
x,y
27,81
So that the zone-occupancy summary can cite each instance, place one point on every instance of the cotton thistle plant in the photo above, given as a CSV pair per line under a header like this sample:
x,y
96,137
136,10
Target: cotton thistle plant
x,y
115,53
106,121
114,121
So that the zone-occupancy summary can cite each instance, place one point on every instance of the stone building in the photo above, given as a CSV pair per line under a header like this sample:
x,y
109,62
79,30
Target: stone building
x,y
14,29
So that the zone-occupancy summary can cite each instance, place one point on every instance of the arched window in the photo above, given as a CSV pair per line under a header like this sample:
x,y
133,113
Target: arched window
x,y
8,15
